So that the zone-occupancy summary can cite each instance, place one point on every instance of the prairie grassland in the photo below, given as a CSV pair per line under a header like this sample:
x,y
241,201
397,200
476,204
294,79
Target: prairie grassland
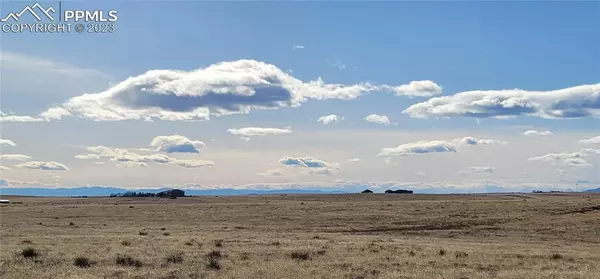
x,y
302,236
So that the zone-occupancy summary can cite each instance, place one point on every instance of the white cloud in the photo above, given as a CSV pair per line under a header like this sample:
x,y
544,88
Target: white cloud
x,y
126,158
421,88
14,157
295,47
272,173
328,119
5,142
354,160
193,163
438,146
131,164
224,88
176,143
378,119
307,162
55,113
594,140
43,165
257,131
4,168
537,133
314,165
20,118
87,157
478,170
575,159
419,147
474,141
572,102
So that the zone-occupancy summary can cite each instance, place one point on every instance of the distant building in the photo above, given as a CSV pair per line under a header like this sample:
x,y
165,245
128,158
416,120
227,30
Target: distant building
x,y
4,201
174,193
367,191
398,191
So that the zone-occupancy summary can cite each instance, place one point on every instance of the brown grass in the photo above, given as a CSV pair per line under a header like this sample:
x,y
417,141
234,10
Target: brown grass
x,y
331,236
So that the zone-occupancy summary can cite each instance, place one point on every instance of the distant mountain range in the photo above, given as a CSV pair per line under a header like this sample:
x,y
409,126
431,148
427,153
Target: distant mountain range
x,y
106,191
597,190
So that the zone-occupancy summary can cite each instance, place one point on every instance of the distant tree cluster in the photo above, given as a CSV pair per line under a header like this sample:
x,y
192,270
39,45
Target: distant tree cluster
x,y
400,191
164,194
133,194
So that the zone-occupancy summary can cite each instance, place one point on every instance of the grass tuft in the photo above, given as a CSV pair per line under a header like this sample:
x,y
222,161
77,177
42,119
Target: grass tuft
x,y
126,243
125,260
459,255
82,262
214,260
30,252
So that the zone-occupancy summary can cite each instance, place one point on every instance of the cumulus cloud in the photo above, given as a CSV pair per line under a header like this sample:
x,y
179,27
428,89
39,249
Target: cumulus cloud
x,y
130,164
127,158
537,133
55,113
248,132
477,170
437,146
594,140
14,157
224,88
575,159
307,162
474,141
4,168
314,165
298,47
87,157
329,119
354,160
419,147
5,142
421,88
176,144
43,165
572,102
378,119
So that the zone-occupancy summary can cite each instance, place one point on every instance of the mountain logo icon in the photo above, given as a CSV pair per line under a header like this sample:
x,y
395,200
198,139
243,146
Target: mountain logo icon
x,y
31,10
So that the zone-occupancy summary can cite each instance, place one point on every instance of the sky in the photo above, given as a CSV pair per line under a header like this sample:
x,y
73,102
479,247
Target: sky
x,y
466,96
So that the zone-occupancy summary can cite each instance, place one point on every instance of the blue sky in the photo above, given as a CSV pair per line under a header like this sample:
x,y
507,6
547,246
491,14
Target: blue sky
x,y
400,57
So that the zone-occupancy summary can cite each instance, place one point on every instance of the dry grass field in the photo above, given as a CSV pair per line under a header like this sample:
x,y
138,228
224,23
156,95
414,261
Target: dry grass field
x,y
358,236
